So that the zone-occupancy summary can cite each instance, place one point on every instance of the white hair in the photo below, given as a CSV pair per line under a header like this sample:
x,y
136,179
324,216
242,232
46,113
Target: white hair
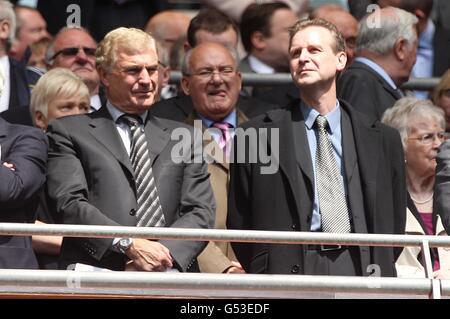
x,y
381,38
7,13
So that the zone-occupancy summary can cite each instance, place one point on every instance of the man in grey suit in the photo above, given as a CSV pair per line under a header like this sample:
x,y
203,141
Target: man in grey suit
x,y
442,185
95,168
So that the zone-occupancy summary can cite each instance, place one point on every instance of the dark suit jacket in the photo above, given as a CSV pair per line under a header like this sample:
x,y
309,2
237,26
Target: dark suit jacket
x,y
26,148
362,87
441,203
283,201
281,95
441,49
178,108
90,181
20,92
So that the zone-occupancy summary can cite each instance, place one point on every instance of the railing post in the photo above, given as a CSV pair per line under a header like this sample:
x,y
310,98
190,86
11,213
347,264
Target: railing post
x,y
428,267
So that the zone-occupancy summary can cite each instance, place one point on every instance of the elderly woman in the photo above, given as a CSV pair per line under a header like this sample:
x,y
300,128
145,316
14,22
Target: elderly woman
x,y
441,97
422,128
58,93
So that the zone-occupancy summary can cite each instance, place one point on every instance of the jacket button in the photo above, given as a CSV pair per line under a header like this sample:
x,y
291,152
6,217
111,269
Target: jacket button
x,y
133,212
295,269
294,226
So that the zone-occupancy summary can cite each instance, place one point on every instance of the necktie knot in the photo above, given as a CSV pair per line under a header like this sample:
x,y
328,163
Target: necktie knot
x,y
321,122
222,126
225,138
131,120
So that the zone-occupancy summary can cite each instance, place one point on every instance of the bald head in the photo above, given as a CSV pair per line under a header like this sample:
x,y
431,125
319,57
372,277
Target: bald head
x,y
168,26
347,25
325,10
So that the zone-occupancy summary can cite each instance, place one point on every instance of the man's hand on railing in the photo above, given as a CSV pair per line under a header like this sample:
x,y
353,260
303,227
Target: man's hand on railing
x,y
236,268
147,255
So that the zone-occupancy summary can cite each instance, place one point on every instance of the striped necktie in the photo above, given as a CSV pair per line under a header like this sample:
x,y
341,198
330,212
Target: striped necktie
x,y
149,210
332,201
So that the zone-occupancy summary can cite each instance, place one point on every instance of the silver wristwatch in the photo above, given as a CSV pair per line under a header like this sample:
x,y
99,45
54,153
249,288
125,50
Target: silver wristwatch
x,y
124,244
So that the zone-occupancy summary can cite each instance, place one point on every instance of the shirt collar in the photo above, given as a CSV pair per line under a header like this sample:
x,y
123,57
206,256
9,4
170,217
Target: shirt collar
x,y
230,119
378,69
258,66
116,113
310,115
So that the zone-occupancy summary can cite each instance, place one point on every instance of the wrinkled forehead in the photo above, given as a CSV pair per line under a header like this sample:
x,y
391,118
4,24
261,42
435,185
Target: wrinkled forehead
x,y
313,35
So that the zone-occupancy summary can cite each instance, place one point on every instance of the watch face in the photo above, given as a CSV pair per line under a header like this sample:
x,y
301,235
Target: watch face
x,y
125,243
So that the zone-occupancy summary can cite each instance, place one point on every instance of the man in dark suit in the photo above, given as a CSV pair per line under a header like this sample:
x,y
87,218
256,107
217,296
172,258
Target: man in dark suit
x,y
23,157
385,54
104,171
16,93
264,32
434,40
339,172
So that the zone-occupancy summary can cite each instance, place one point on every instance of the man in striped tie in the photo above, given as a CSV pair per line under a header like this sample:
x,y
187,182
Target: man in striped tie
x,y
115,167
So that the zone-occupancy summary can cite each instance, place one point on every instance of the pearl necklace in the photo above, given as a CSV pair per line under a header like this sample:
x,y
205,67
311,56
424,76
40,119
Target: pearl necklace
x,y
421,202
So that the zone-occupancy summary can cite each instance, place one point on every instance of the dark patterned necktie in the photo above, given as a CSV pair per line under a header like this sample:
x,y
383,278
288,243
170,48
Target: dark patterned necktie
x,y
149,212
332,201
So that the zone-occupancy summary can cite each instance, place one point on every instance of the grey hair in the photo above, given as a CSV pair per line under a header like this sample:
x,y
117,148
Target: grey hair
x,y
381,38
400,115
185,64
7,13
51,47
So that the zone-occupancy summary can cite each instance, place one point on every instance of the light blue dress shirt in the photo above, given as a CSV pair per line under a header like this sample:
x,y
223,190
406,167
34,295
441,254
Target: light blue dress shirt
x,y
335,134
425,57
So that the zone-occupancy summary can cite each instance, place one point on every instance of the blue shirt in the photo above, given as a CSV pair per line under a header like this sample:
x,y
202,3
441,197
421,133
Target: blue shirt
x,y
216,134
335,134
425,57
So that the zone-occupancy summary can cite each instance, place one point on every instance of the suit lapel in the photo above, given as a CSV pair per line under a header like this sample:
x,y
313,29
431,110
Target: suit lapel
x,y
104,130
157,137
301,145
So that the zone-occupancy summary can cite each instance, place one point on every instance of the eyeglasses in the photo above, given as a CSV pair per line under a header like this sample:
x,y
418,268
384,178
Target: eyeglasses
x,y
208,73
74,51
428,138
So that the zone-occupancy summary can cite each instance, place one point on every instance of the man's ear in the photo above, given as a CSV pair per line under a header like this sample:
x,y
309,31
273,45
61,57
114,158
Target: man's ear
x,y
258,40
185,85
5,27
40,120
341,61
102,75
401,49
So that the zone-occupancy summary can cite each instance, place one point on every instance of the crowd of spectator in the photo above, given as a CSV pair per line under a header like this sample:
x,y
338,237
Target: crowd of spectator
x,y
354,152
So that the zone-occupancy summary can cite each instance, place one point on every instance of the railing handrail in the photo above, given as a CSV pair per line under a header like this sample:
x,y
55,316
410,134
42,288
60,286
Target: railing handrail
x,y
208,285
285,78
279,237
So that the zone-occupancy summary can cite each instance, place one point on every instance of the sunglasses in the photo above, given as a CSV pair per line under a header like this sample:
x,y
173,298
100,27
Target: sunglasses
x,y
74,51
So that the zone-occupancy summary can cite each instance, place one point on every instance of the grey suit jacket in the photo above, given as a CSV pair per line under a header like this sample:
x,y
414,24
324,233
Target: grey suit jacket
x,y
90,181
442,185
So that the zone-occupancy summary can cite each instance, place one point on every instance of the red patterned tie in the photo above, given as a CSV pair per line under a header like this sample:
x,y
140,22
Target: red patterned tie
x,y
225,138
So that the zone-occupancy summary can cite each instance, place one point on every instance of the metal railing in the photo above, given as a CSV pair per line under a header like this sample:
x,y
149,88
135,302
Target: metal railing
x,y
171,284
254,79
